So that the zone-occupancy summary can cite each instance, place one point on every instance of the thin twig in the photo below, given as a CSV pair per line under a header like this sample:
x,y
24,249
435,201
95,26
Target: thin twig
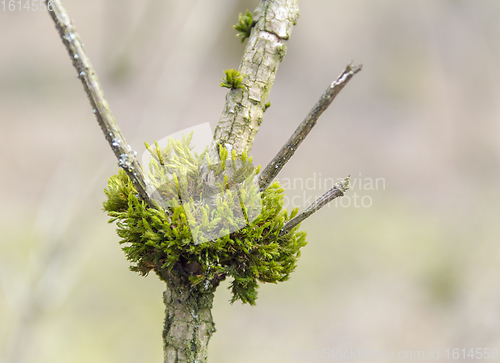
x,y
287,151
338,190
127,158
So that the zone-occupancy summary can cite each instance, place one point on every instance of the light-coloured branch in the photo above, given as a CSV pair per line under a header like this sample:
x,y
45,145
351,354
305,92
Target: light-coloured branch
x,y
126,156
283,156
188,324
266,48
338,190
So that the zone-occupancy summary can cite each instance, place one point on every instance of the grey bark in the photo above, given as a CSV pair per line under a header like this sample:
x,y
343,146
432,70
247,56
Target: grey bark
x,y
188,323
266,48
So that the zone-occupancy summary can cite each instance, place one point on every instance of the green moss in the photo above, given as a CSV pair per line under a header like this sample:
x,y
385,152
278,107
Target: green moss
x,y
281,49
267,105
232,79
244,25
160,239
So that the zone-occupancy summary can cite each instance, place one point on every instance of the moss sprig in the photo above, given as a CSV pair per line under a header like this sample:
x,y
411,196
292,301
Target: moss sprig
x,y
162,239
244,25
267,105
232,79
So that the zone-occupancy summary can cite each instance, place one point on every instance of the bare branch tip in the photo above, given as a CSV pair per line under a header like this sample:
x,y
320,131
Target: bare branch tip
x,y
343,185
351,68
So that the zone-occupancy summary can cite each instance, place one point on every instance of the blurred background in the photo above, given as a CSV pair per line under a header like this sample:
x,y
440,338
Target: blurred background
x,y
409,262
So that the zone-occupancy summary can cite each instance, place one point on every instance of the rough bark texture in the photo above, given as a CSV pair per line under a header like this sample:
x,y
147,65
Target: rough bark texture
x,y
266,48
188,320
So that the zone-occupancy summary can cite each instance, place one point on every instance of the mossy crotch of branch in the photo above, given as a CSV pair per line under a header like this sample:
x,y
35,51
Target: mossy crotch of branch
x,y
162,241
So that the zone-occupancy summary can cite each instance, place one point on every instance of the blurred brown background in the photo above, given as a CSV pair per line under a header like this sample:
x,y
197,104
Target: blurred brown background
x,y
417,269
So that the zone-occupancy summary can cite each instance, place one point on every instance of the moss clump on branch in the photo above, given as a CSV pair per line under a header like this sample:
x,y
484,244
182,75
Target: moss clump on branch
x,y
244,25
232,79
161,239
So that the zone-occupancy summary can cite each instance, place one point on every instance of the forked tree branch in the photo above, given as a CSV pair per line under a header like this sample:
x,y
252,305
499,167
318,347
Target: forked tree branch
x,y
283,156
338,190
265,49
126,156
188,324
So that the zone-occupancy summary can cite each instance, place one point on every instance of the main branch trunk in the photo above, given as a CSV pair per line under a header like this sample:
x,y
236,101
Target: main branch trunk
x,y
266,48
188,322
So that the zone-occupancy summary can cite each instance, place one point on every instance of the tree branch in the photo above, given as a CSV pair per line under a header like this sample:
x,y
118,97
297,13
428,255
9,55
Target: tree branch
x,y
266,48
274,167
126,156
338,190
188,324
